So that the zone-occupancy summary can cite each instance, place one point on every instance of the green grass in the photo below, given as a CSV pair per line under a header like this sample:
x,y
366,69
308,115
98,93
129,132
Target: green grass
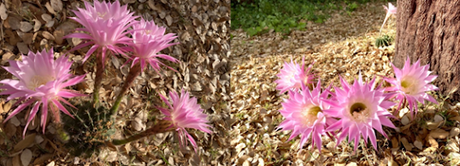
x,y
260,16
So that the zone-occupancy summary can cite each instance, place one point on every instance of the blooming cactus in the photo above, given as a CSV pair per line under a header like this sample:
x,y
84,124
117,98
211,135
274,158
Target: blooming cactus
x,y
105,25
411,84
40,80
391,10
361,109
292,76
304,114
184,112
149,39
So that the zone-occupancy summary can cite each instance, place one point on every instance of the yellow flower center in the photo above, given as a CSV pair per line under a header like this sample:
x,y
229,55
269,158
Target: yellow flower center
x,y
359,112
38,81
405,84
101,15
290,76
408,86
147,32
310,115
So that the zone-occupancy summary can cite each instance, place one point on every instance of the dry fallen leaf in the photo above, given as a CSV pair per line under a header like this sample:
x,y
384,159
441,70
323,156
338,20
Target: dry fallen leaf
x,y
352,164
406,144
438,118
2,103
169,20
14,120
10,130
455,158
23,48
47,35
51,163
26,142
47,17
5,57
3,14
452,145
49,24
37,25
454,131
13,22
439,134
59,35
50,8
246,163
433,143
457,118
418,144
16,161
27,38
26,157
108,155
25,26
7,106
138,125
405,120
56,5
433,125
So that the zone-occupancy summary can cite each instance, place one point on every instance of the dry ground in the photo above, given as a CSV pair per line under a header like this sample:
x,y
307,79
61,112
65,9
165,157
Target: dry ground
x,y
202,30
342,46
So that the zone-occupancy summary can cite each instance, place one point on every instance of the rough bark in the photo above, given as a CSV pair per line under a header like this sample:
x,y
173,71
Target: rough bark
x,y
429,30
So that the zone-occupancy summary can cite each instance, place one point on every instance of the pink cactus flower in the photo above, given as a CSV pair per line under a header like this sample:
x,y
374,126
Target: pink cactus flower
x,y
105,25
411,84
149,39
184,112
40,80
361,109
391,10
292,76
304,114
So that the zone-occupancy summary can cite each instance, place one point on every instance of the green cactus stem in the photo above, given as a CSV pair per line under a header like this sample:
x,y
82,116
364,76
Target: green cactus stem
x,y
133,73
161,127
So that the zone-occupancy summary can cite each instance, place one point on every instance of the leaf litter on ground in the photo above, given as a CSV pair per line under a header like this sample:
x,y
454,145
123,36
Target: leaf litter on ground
x,y
343,45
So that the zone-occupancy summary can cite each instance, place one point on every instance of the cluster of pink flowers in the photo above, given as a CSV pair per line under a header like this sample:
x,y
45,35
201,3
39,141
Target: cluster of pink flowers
x,y
352,111
106,27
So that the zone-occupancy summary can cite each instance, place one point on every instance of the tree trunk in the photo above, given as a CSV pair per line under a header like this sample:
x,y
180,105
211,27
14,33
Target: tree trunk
x,y
429,30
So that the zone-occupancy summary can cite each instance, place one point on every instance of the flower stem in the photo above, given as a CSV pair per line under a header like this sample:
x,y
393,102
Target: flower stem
x,y
160,127
98,79
133,73
400,106
62,135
